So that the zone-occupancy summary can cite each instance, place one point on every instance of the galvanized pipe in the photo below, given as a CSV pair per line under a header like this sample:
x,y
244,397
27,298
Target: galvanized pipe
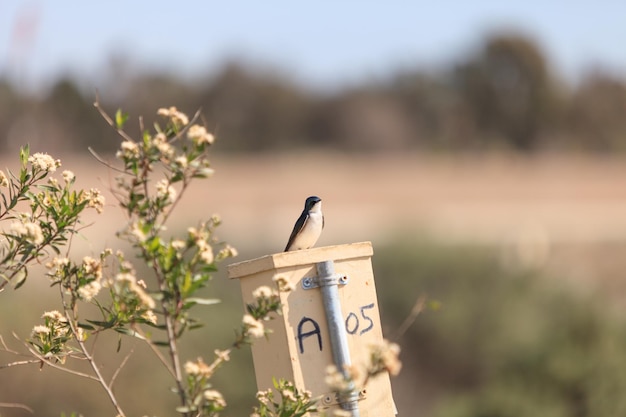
x,y
328,283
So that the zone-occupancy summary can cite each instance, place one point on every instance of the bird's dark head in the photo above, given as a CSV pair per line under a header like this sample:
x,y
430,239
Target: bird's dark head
x,y
311,201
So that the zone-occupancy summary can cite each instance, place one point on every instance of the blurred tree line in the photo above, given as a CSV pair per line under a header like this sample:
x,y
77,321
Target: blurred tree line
x,y
503,95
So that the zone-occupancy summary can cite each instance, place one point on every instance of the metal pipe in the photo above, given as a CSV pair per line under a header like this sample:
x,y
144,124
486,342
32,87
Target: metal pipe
x,y
328,282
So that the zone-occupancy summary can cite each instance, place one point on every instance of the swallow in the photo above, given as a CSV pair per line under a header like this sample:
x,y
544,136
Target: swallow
x,y
308,227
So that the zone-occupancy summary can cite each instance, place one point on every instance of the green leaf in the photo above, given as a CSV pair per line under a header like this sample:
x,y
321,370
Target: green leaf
x,y
47,187
120,118
203,301
104,324
155,243
196,326
129,332
24,153
20,277
184,409
434,305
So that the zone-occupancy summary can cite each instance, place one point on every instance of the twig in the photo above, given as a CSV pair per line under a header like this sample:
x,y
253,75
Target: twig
x,y
5,347
45,361
108,119
119,368
26,362
178,198
103,162
173,349
186,128
417,309
170,327
156,351
99,377
17,405
94,343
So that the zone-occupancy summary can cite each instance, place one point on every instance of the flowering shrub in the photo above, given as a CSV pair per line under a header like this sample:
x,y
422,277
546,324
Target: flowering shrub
x,y
292,403
44,212
155,172
52,217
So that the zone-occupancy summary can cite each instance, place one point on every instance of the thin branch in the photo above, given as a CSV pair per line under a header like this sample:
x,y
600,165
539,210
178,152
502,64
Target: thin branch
x,y
99,375
6,348
178,198
94,343
17,363
182,131
417,309
156,351
17,405
45,361
108,119
170,327
71,319
103,162
173,349
119,368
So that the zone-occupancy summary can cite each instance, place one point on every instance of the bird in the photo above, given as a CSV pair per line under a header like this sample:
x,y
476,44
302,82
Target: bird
x,y
308,227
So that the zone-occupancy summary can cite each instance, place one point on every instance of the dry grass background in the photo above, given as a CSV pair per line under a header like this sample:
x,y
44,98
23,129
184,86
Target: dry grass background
x,y
562,211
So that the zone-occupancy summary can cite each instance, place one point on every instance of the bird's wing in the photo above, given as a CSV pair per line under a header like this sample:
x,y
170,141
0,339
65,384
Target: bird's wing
x,y
296,229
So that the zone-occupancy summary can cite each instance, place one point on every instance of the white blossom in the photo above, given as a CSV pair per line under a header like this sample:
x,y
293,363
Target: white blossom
x,y
68,176
283,283
165,190
44,162
182,161
129,280
88,291
214,397
40,329
206,254
30,231
177,117
178,244
253,326
128,149
4,181
95,199
92,266
199,135
54,315
263,292
150,316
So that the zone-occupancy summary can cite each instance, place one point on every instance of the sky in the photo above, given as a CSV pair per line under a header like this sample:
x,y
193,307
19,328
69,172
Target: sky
x,y
323,44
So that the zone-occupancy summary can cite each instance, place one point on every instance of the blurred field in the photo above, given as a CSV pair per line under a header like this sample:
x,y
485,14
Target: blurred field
x,y
554,211
481,199
563,212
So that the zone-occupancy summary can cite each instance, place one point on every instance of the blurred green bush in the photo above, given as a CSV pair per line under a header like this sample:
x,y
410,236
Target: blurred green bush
x,y
507,341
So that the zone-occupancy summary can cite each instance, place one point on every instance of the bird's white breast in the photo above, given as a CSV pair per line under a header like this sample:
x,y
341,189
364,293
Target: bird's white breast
x,y
311,231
